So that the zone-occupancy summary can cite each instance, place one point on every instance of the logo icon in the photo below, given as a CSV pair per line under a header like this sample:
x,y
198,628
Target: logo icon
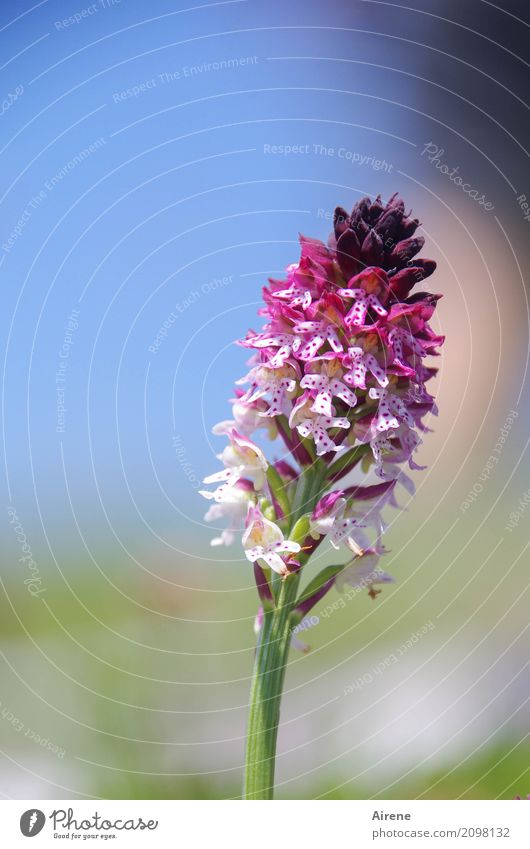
x,y
32,822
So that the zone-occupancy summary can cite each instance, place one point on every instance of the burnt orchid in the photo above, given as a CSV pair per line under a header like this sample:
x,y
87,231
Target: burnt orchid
x,y
338,374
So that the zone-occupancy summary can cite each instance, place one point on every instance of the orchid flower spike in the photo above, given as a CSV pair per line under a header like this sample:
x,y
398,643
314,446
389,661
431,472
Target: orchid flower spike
x,y
338,381
264,540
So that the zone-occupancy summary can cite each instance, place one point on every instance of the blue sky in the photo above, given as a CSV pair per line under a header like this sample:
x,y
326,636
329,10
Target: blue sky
x,y
151,153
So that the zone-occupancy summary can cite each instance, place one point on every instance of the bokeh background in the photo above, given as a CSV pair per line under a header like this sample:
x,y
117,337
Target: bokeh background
x,y
140,193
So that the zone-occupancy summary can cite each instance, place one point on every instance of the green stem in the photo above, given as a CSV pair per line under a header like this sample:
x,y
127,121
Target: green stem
x,y
309,489
272,652
266,692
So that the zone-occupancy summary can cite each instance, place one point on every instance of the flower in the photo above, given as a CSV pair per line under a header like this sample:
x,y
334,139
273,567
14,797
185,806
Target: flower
x,y
362,302
277,380
264,540
316,334
247,418
296,297
232,504
364,571
339,377
380,235
309,423
342,514
286,344
338,366
359,364
243,459
324,380
391,406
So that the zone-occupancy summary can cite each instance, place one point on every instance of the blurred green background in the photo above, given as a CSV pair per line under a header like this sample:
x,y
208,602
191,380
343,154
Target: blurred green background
x,y
108,661
128,675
